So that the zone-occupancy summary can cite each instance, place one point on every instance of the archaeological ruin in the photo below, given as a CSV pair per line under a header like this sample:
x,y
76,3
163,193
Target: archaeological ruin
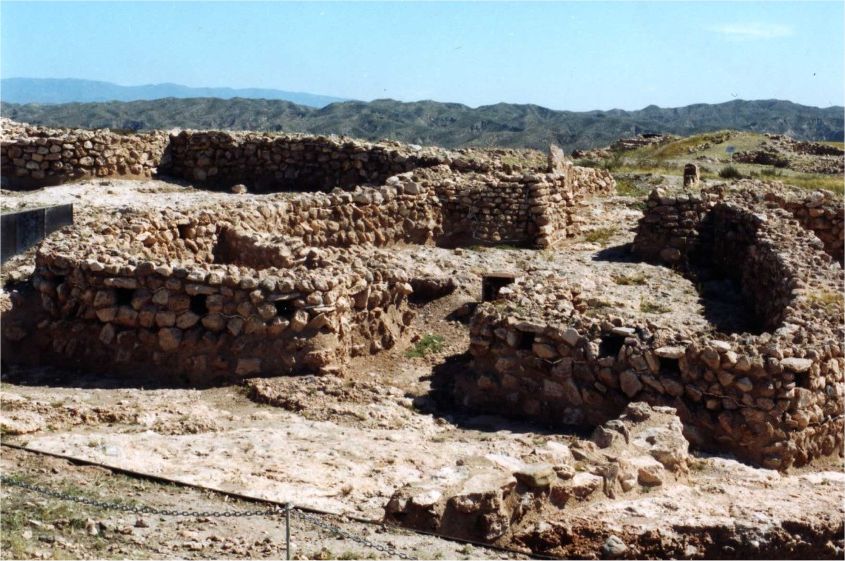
x,y
771,393
270,286
306,276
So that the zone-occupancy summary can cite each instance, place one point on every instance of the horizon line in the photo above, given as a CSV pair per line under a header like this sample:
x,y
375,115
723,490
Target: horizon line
x,y
353,100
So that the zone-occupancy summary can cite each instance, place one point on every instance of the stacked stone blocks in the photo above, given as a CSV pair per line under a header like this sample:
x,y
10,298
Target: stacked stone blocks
x,y
36,156
774,398
273,285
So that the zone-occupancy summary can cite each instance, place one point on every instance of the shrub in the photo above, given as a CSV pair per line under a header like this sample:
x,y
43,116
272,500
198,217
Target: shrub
x,y
830,302
613,163
627,280
730,172
600,235
628,188
430,343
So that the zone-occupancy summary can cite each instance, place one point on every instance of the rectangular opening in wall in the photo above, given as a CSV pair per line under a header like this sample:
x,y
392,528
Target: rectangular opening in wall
x,y
123,296
611,345
285,308
492,283
198,304
526,341
669,365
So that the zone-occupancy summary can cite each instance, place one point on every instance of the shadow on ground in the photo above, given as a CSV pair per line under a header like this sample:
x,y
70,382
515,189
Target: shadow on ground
x,y
47,376
441,402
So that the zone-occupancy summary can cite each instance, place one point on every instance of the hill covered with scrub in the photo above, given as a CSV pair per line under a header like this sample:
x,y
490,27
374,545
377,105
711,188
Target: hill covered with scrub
x,y
450,125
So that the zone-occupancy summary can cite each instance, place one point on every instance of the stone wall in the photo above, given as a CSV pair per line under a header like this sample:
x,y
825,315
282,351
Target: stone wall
x,y
732,245
273,162
532,209
209,326
484,209
706,237
672,221
669,228
286,283
485,199
213,294
36,156
557,202
822,213
773,398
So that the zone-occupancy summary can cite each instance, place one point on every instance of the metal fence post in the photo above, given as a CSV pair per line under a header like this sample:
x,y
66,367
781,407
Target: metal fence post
x,y
287,531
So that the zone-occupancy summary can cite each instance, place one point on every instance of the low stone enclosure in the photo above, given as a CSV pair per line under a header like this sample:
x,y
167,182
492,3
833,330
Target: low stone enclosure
x,y
299,283
33,156
275,284
485,200
772,395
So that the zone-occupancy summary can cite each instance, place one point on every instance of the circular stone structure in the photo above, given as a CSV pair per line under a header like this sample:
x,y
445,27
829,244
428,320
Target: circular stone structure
x,y
282,283
771,394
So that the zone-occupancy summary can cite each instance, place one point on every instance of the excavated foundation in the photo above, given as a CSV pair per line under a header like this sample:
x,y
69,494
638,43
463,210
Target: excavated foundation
x,y
771,393
299,283
278,284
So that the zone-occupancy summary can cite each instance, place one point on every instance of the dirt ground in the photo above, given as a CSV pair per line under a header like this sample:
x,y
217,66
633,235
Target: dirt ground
x,y
38,527
343,444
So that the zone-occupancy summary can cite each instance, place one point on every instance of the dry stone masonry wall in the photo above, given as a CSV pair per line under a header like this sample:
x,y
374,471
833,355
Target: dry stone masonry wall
x,y
822,213
484,199
773,397
671,221
287,283
156,288
36,156
295,283
268,162
533,209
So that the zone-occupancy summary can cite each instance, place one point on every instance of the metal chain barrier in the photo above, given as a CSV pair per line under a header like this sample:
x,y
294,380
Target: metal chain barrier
x,y
137,509
315,520
275,511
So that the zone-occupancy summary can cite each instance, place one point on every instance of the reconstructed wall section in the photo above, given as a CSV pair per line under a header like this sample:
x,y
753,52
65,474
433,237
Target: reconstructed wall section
x,y
672,221
532,209
288,284
37,156
272,162
292,283
483,199
773,398
220,292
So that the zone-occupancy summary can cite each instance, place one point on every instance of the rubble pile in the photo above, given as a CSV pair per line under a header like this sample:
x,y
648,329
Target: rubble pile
x,y
499,499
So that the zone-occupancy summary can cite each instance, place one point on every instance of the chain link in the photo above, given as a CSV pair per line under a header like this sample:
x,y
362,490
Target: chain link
x,y
137,509
316,521
276,511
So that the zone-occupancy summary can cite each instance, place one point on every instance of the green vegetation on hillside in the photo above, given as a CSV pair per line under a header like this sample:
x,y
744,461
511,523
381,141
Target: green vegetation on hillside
x,y
443,124
710,151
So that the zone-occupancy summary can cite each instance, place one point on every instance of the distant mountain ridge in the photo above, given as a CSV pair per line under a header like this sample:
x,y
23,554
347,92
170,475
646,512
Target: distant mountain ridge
x,y
73,90
451,125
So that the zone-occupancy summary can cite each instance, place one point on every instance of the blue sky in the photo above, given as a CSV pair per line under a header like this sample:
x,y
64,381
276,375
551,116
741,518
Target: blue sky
x,y
576,56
